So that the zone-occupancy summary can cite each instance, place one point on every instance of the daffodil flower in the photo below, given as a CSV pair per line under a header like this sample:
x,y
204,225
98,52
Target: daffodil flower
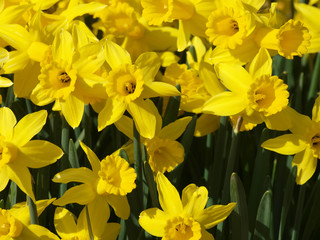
x,y
303,141
255,95
67,78
128,84
68,228
192,16
164,153
18,152
109,181
185,218
15,223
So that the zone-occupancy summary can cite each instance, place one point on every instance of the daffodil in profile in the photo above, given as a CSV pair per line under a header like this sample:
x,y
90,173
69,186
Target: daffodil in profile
x,y
15,223
18,152
185,218
303,141
255,95
109,181
164,152
192,16
68,228
306,13
127,85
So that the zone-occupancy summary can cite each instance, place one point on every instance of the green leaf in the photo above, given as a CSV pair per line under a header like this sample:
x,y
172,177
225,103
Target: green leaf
x,y
239,216
263,227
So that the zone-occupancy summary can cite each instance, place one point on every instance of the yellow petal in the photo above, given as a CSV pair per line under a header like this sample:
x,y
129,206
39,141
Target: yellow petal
x,y
111,231
234,77
16,36
39,153
116,55
306,165
144,120
28,127
213,215
208,76
37,51
299,122
81,194
194,199
225,104
261,64
92,157
64,222
111,112
156,89
81,9
153,220
99,213
175,129
72,109
125,125
183,36
37,232
5,82
149,63
280,121
39,95
82,175
20,174
316,110
7,122
4,178
286,144
206,123
120,205
168,196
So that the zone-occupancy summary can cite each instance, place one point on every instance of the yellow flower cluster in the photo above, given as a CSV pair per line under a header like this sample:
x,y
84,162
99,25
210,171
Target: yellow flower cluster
x,y
118,56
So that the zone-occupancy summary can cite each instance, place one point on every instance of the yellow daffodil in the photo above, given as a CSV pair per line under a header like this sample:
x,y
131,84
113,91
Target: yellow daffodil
x,y
15,223
128,84
307,13
303,141
192,16
185,218
124,23
255,95
64,19
4,57
164,153
109,181
18,152
69,79
231,23
68,228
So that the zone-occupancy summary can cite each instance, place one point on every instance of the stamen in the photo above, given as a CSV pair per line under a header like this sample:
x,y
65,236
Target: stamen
x,y
130,87
64,77
315,140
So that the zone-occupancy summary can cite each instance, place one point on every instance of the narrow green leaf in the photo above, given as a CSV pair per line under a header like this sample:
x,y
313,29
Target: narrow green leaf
x,y
288,194
73,156
263,227
314,79
33,211
239,216
151,185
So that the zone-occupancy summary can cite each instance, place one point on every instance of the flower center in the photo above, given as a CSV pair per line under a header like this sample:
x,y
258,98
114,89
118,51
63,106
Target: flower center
x,y
125,83
268,95
9,226
164,154
64,77
116,177
182,228
8,152
315,144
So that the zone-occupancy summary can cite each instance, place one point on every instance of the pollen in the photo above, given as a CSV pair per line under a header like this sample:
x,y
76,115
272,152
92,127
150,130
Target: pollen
x,y
130,87
64,77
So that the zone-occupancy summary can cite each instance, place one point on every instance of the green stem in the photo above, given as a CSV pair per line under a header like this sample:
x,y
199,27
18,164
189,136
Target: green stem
x,y
33,211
